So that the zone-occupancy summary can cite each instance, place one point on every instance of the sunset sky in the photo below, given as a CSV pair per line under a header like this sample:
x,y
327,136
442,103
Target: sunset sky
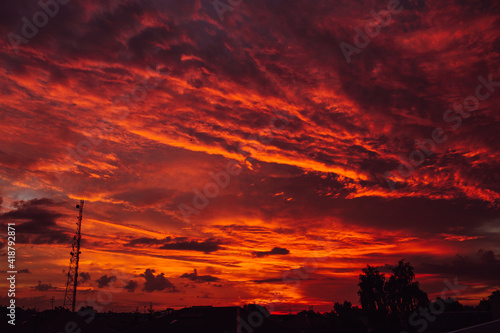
x,y
276,147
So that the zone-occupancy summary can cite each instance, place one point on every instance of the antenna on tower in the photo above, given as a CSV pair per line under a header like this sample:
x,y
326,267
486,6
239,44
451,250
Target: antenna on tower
x,y
71,284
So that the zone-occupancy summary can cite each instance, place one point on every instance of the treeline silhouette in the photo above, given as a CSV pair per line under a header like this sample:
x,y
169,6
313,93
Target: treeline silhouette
x,y
396,304
390,305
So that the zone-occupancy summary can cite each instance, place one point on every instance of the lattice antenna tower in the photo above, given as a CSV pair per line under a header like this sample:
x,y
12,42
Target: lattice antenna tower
x,y
72,283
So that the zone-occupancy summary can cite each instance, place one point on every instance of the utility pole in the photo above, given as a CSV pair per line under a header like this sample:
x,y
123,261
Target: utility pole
x,y
72,283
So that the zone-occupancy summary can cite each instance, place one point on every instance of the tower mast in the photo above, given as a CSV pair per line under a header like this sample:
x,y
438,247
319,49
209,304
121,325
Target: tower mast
x,y
71,284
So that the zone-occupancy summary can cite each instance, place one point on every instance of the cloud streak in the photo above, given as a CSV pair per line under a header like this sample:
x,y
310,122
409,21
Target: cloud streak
x,y
275,251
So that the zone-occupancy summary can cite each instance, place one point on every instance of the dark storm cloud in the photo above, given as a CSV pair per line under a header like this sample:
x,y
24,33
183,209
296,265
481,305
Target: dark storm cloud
x,y
199,278
36,223
44,287
89,27
418,214
35,202
207,246
158,282
485,266
271,280
131,286
275,250
145,241
21,271
179,243
84,277
104,281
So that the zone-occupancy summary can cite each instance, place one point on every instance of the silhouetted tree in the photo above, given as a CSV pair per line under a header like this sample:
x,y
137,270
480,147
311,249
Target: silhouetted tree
x,y
371,291
485,303
347,318
387,304
372,297
342,309
451,304
88,307
403,295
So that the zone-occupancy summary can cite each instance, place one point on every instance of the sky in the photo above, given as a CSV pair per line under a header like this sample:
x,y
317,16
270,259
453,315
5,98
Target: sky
x,y
239,151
